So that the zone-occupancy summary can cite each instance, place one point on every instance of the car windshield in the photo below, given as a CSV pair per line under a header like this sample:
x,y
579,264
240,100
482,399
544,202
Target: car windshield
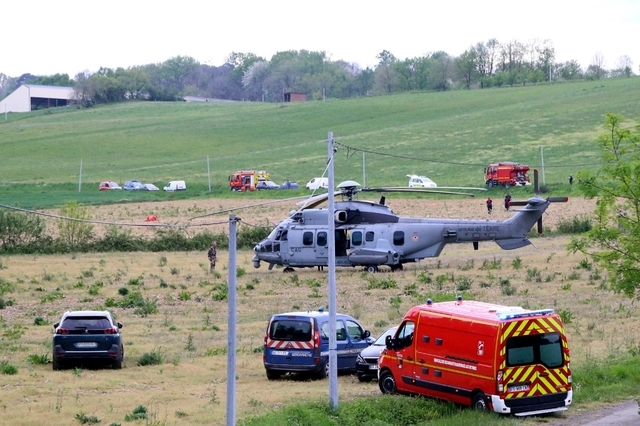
x,y
380,341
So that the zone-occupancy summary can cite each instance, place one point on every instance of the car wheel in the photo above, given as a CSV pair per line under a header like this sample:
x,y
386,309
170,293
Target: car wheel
x,y
274,374
57,365
372,269
117,364
387,383
479,402
365,379
324,371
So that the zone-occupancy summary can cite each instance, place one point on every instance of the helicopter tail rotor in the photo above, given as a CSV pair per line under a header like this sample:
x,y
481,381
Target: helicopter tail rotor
x,y
537,200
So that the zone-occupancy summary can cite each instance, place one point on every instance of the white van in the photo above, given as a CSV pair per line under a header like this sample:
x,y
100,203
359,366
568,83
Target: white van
x,y
176,185
316,183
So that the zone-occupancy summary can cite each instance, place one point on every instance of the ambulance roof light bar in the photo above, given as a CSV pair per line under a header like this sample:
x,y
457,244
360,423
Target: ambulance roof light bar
x,y
513,315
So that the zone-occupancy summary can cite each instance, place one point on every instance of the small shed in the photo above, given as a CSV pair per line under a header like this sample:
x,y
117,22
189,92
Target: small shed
x,y
31,97
295,97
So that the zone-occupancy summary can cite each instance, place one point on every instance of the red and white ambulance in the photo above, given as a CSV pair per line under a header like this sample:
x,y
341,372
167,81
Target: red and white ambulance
x,y
507,359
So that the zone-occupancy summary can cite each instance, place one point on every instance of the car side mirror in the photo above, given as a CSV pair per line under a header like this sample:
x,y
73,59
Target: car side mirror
x,y
119,324
56,325
367,333
388,342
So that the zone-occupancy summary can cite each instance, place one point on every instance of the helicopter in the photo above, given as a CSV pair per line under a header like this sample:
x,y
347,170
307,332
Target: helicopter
x,y
370,234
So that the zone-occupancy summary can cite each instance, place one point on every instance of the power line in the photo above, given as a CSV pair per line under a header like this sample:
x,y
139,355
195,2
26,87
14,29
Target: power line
x,y
101,222
428,160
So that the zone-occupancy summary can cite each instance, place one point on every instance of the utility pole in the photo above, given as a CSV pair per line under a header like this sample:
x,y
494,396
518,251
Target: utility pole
x,y
333,342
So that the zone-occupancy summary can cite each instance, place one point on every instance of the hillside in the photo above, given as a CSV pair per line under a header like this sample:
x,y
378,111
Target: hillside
x,y
448,136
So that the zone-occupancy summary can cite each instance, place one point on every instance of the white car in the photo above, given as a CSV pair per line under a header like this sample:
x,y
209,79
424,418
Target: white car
x,y
416,181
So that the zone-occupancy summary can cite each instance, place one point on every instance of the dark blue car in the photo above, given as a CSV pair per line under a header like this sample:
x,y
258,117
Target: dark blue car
x,y
87,336
288,184
298,342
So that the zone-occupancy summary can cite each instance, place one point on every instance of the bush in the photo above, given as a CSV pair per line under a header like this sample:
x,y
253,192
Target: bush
x,y
575,225
9,369
139,413
151,358
19,229
40,321
75,233
38,359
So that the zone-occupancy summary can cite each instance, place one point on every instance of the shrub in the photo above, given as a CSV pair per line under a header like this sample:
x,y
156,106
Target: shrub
x,y
38,359
84,419
219,292
40,321
19,229
75,233
139,413
151,358
147,307
7,368
574,225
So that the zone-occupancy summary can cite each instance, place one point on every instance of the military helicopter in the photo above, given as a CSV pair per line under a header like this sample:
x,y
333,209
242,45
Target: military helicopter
x,y
371,235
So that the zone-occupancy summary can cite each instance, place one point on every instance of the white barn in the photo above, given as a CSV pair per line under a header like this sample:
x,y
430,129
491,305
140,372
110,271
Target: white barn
x,y
30,97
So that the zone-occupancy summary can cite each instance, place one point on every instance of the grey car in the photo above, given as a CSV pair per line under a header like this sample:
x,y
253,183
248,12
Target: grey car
x,y
367,360
85,336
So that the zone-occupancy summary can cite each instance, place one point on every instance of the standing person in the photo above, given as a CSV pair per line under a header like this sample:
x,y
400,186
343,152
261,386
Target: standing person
x,y
211,254
507,200
489,205
570,179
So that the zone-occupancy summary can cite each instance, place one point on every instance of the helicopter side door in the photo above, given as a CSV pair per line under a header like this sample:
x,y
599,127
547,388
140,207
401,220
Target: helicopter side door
x,y
307,247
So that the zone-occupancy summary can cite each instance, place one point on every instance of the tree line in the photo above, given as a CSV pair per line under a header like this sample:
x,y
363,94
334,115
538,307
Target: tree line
x,y
249,77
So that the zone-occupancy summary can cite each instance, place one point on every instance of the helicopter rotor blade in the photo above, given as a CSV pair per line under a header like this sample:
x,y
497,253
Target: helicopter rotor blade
x,y
314,201
264,203
558,199
414,190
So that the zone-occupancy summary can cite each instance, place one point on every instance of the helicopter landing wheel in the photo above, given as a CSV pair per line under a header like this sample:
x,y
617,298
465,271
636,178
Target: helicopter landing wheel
x,y
287,269
372,269
397,267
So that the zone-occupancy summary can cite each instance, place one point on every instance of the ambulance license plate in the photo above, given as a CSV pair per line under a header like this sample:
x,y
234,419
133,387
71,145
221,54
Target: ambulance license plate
x,y
520,388
285,353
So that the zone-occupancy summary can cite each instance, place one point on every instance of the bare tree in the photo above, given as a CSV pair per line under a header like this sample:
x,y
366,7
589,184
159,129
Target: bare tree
x,y
596,68
625,65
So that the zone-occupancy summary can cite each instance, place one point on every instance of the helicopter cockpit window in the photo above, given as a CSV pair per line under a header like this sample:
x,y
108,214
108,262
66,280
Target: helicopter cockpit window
x,y
356,238
369,236
281,235
307,238
398,238
322,239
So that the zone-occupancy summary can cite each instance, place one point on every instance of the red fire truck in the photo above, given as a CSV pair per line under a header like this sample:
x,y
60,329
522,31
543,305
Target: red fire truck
x,y
507,359
506,174
246,180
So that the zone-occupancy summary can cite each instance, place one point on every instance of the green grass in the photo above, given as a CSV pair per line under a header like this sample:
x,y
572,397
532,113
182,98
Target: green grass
x,y
448,136
610,380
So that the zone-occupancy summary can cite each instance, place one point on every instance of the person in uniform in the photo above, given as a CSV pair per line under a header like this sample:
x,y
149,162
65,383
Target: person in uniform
x,y
507,201
211,254
489,205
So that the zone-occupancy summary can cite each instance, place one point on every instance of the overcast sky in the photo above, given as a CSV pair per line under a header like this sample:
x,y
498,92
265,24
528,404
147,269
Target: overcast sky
x,y
45,37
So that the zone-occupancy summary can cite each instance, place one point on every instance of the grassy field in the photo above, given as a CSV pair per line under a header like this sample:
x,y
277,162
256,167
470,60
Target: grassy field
x,y
189,329
447,136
